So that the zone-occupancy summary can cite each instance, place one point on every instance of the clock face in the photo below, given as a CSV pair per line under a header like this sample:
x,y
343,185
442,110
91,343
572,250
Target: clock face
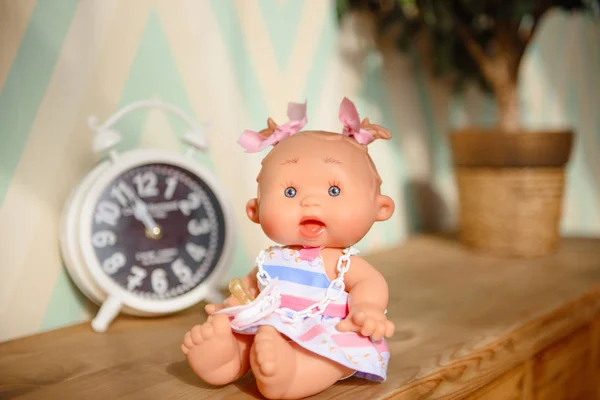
x,y
158,231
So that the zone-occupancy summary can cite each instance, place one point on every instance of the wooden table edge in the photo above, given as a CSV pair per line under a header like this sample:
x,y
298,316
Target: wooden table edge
x,y
459,375
560,318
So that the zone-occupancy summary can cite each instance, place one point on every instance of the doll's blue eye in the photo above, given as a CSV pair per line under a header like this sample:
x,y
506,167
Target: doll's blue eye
x,y
334,191
290,192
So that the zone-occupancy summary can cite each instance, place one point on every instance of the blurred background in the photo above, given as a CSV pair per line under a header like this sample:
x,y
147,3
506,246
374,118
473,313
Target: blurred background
x,y
235,63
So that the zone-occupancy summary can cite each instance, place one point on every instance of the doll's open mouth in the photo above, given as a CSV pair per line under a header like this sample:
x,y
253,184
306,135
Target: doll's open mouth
x,y
311,227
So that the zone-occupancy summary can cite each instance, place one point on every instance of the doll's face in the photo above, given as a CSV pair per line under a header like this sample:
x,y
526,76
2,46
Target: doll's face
x,y
318,190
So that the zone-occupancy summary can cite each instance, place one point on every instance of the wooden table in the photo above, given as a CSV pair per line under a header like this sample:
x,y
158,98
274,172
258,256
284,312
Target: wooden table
x,y
468,326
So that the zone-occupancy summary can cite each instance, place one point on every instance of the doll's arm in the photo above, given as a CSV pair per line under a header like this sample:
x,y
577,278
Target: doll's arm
x,y
367,301
250,283
366,285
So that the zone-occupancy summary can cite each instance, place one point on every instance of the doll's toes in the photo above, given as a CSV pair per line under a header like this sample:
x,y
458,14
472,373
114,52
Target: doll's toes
x,y
187,340
196,335
213,308
184,349
231,301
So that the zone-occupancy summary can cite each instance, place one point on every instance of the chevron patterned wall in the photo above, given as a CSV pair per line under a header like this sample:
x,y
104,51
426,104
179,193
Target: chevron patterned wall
x,y
235,63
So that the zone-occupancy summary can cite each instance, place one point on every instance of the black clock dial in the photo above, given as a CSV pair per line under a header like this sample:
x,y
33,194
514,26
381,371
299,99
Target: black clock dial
x,y
158,231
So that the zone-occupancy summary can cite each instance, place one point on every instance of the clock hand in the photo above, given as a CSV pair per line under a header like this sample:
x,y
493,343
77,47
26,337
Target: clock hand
x,y
142,214
140,211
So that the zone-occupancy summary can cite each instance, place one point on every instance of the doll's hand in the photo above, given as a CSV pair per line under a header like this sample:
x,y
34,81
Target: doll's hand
x,y
368,320
229,302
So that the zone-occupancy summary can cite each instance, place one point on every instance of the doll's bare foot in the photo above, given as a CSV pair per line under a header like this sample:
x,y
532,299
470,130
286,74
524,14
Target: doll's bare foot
x,y
215,353
273,362
284,370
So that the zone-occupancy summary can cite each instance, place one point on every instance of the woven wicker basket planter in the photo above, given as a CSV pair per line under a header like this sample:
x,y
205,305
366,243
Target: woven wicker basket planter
x,y
511,189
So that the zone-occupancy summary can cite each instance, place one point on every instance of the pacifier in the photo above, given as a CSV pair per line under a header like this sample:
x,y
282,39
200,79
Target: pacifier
x,y
239,291
251,309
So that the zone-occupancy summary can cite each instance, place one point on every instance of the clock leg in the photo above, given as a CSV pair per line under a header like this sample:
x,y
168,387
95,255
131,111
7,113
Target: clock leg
x,y
109,310
215,297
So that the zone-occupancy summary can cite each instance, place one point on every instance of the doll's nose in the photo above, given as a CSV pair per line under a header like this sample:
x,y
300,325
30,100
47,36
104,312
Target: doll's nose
x,y
309,201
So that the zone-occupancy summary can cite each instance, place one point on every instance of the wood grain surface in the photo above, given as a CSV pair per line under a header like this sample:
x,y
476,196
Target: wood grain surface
x,y
468,326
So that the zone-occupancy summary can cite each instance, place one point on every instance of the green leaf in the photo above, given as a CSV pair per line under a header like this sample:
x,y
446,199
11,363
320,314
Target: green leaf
x,y
341,8
438,21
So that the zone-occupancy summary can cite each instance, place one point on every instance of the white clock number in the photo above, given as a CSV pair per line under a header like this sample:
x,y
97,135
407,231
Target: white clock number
x,y
103,238
195,251
182,271
146,184
107,212
113,263
123,193
192,203
159,280
171,185
136,278
196,227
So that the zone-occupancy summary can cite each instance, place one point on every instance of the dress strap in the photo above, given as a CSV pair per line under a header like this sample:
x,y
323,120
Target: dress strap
x,y
343,265
262,276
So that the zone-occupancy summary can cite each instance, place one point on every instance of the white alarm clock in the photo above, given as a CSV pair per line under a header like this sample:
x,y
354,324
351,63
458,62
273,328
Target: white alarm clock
x,y
147,232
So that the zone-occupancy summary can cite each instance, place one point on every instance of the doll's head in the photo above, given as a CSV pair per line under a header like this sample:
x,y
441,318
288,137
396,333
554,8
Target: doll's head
x,y
318,188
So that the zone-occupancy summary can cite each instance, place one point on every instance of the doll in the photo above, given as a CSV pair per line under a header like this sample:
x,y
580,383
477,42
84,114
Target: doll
x,y
315,312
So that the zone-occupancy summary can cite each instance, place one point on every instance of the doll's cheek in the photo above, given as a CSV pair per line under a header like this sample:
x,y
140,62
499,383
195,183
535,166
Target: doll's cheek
x,y
270,223
274,231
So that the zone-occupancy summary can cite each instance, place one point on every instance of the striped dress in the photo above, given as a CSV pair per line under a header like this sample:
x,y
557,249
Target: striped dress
x,y
294,284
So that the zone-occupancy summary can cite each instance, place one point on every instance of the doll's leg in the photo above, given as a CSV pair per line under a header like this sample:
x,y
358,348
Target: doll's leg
x,y
215,353
284,370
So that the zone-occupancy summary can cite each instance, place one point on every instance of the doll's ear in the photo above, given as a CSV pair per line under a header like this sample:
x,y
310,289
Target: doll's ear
x,y
385,208
252,210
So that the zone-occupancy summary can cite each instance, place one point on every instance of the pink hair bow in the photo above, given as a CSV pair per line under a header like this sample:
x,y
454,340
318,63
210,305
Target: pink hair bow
x,y
352,126
257,141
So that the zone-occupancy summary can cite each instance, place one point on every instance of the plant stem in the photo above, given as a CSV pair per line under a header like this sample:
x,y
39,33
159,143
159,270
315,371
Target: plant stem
x,y
507,99
501,72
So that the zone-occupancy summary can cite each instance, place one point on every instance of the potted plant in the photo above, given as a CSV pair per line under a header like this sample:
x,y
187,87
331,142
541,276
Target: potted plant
x,y
510,180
